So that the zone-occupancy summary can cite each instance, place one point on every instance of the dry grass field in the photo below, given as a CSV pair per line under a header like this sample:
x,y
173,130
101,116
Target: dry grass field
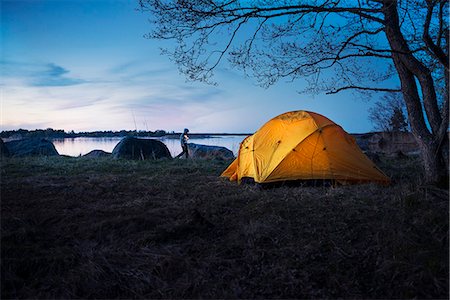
x,y
101,228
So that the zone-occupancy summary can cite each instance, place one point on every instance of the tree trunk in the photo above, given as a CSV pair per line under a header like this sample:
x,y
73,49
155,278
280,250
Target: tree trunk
x,y
431,149
409,69
432,162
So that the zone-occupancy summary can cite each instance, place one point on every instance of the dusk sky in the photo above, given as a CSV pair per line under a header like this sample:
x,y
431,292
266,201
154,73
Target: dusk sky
x,y
85,66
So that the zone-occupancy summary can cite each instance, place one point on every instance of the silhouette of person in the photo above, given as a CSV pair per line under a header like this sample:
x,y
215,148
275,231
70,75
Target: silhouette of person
x,y
184,143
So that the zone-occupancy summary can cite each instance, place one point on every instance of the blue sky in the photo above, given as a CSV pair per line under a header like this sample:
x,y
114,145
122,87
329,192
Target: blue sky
x,y
84,65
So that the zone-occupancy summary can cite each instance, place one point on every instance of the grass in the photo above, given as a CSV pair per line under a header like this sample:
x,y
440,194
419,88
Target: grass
x,y
101,228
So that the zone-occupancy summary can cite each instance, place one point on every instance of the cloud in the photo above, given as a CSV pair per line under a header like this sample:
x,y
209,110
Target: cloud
x,y
73,104
142,71
126,96
55,70
36,74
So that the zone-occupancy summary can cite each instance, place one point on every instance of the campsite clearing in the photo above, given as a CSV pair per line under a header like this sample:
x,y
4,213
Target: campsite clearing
x,y
102,228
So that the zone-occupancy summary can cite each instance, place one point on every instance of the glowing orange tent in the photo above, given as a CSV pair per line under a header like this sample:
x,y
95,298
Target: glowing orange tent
x,y
302,145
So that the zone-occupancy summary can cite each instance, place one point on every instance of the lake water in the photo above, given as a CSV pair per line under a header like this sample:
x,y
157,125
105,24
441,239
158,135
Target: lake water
x,y
82,145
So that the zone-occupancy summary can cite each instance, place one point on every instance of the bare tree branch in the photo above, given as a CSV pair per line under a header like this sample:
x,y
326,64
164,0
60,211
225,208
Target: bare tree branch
x,y
233,35
436,51
371,49
346,42
373,89
441,23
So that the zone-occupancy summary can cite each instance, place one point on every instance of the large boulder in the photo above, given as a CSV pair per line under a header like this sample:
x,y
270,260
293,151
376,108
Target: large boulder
x,y
387,143
97,153
3,150
391,143
208,152
140,149
31,147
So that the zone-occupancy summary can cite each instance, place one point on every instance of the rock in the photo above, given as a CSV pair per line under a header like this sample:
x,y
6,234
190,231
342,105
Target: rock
x,y
388,143
399,155
31,147
3,150
140,149
97,153
363,140
374,157
208,152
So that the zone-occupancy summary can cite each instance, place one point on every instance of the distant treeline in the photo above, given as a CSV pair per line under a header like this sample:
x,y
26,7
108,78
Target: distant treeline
x,y
50,133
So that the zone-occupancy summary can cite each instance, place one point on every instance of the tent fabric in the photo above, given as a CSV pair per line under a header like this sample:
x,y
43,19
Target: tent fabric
x,y
302,145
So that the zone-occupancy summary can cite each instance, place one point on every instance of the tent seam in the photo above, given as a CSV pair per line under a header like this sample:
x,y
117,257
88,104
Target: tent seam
x,y
306,137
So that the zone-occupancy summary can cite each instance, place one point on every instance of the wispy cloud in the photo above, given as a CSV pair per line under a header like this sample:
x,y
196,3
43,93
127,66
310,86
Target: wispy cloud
x,y
150,95
76,103
36,74
139,71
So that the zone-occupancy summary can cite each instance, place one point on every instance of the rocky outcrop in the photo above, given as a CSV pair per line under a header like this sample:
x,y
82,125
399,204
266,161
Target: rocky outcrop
x,y
31,147
362,139
3,150
140,149
209,152
387,143
97,153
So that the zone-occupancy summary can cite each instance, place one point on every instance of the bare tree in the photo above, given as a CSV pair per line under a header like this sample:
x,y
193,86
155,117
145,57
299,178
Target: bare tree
x,y
388,113
333,45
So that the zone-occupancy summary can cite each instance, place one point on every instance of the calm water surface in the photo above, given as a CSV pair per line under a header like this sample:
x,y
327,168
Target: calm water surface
x,y
82,145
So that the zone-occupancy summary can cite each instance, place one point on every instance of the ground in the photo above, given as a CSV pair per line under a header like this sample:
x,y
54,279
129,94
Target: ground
x,y
103,228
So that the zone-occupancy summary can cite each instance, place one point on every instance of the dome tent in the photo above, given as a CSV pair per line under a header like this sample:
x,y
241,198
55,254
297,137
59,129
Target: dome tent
x,y
302,145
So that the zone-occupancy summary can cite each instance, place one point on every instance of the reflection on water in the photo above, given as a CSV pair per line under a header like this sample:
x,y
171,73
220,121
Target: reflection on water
x,y
82,145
